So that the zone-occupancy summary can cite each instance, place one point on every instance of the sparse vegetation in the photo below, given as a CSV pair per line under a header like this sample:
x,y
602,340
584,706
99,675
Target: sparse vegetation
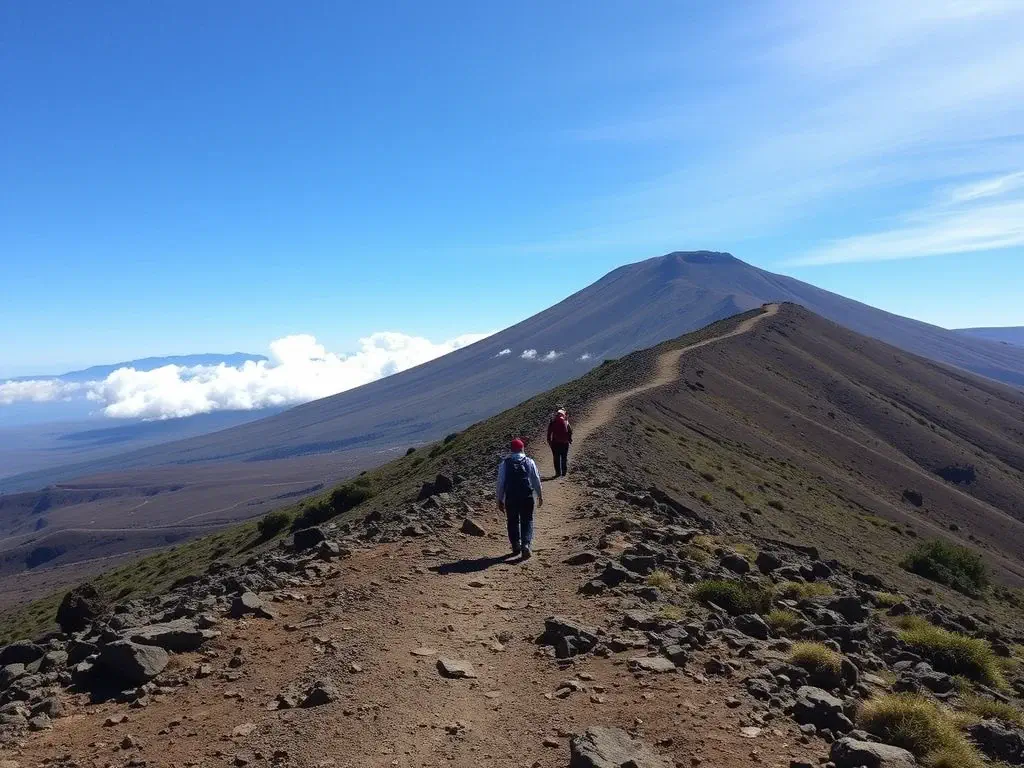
x,y
799,590
661,579
746,551
990,709
887,599
781,621
956,566
816,658
735,597
953,653
273,523
921,727
670,613
707,499
340,500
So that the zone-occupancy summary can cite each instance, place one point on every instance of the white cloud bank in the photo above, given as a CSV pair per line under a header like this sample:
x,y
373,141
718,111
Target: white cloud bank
x,y
300,369
532,354
529,354
504,353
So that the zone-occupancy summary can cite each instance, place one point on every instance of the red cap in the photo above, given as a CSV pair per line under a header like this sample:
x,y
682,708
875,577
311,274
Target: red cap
x,y
518,445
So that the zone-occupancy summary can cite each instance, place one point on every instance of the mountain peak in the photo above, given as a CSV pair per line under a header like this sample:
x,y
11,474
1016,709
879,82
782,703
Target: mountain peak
x,y
701,257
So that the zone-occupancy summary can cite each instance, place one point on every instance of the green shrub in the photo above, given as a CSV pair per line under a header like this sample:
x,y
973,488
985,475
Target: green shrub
x,y
799,590
816,658
921,727
670,612
953,653
736,597
661,579
955,566
340,500
990,709
273,523
781,621
887,599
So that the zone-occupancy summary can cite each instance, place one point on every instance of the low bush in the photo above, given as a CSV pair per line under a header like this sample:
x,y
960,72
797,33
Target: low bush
x,y
342,499
921,727
670,613
735,597
661,580
781,621
272,524
887,599
816,658
990,709
953,653
958,567
799,590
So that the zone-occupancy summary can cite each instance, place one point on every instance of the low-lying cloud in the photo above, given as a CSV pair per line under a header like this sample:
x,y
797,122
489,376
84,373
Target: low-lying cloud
x,y
300,369
504,353
529,354
532,354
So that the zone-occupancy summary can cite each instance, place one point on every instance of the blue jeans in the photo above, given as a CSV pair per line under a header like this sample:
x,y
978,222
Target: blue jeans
x,y
520,522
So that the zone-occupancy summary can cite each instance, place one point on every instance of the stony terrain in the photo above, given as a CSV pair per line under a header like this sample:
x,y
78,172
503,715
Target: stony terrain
x,y
648,630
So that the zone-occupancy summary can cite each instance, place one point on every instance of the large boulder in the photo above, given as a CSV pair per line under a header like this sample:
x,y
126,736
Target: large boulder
x,y
752,625
600,747
820,709
79,608
20,652
851,608
307,538
178,636
999,742
132,662
850,753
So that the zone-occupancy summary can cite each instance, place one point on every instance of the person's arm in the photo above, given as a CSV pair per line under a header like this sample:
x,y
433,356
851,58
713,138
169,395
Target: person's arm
x,y
551,429
568,426
499,492
535,482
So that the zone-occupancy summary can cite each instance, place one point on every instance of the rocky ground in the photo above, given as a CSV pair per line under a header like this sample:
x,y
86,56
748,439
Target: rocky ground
x,y
412,639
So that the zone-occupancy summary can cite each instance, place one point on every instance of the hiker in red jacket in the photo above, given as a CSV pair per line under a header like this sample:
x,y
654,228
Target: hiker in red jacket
x,y
560,438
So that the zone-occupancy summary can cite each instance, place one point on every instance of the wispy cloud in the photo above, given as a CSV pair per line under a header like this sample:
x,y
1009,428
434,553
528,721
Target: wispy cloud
x,y
504,353
551,356
585,356
984,215
828,103
300,369
529,354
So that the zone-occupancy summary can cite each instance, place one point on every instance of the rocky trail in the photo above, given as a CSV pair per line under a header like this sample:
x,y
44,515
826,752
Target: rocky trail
x,y
417,641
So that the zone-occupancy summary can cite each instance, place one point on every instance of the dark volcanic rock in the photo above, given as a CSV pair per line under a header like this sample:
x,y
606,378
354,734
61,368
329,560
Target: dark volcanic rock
x,y
849,753
249,604
179,636
307,538
600,747
79,608
20,652
471,528
568,637
999,742
131,662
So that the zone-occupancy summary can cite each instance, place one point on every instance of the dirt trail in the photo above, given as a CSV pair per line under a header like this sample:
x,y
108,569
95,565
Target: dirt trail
x,y
458,596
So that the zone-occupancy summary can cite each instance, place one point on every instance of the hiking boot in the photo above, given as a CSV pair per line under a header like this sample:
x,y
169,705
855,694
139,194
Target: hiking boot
x,y
527,553
516,551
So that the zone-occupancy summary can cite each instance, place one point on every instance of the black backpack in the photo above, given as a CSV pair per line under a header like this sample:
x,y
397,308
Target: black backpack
x,y
517,479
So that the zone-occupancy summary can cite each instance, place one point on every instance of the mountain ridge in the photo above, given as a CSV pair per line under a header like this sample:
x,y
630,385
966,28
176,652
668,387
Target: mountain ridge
x,y
632,307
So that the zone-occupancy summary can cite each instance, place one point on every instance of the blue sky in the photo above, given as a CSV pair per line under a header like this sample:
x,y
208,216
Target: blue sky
x,y
193,176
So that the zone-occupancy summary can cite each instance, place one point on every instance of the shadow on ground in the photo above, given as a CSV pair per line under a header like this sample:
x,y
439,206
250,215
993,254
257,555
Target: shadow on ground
x,y
474,565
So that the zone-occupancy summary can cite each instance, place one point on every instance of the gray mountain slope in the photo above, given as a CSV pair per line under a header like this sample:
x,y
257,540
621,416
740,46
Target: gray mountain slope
x,y
633,307
1008,335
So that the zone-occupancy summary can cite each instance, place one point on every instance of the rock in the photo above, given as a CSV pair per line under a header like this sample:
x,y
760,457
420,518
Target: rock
x,y
849,753
80,608
568,637
850,608
423,651
820,709
600,747
132,662
329,550
39,723
50,706
734,562
585,557
322,692
9,674
249,604
20,652
455,670
307,538
472,528
615,574
752,625
178,636
656,664
999,742
767,562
